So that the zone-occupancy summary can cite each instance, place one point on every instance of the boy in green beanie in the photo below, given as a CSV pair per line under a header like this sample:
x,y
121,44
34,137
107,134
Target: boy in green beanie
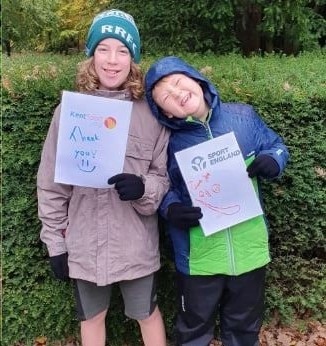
x,y
101,237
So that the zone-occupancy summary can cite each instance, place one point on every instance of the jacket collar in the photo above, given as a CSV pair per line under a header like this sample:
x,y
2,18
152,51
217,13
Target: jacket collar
x,y
116,94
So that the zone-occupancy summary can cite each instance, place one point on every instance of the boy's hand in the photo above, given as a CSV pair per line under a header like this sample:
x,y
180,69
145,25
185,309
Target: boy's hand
x,y
182,216
59,266
129,186
264,166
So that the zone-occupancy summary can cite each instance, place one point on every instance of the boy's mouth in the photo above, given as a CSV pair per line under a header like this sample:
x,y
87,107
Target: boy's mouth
x,y
111,73
185,99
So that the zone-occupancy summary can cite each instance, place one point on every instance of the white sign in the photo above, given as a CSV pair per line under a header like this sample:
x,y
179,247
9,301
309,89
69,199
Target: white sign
x,y
92,139
217,181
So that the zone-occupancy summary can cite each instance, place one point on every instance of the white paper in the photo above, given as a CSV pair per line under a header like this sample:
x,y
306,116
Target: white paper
x,y
92,139
217,181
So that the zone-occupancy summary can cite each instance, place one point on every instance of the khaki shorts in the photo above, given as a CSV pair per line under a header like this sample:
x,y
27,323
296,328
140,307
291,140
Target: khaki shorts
x,y
139,296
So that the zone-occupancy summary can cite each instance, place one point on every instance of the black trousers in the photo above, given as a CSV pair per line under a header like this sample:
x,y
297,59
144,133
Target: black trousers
x,y
238,300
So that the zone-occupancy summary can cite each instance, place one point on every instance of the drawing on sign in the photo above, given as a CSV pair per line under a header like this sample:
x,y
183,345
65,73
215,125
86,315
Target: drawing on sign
x,y
204,191
92,139
217,181
84,158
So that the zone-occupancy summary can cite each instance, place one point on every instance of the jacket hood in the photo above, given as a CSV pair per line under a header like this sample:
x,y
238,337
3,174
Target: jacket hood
x,y
170,65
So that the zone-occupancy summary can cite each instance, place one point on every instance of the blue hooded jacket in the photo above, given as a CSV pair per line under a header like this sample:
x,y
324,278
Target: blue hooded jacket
x,y
242,247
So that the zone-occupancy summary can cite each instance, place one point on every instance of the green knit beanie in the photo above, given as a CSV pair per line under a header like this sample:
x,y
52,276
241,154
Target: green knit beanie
x,y
114,24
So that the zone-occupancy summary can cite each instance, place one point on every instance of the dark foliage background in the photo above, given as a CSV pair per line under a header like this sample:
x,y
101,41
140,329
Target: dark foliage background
x,y
219,26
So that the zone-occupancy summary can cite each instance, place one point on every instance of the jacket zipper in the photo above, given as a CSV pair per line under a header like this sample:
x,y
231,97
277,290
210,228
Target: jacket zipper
x,y
228,233
230,250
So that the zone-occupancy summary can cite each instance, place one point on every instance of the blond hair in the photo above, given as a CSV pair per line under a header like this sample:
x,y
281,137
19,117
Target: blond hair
x,y
87,79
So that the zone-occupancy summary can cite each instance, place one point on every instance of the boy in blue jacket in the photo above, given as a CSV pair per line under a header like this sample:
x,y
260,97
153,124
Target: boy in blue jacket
x,y
223,273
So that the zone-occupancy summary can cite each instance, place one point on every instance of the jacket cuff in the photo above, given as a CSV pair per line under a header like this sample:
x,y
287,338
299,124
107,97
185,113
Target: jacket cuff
x,y
57,249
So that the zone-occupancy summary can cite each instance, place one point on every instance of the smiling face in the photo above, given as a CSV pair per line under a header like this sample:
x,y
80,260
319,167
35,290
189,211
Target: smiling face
x,y
112,61
180,96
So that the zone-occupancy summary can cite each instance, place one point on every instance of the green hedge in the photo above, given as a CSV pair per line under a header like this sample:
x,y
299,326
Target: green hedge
x,y
290,95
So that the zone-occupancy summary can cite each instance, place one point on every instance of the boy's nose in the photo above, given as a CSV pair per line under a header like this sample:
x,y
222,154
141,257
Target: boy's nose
x,y
176,92
111,57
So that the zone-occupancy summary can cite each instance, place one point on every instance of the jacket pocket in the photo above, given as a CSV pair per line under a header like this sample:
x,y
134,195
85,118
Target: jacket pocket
x,y
83,201
138,155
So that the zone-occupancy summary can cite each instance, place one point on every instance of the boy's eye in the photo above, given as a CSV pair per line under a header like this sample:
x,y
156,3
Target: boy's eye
x,y
124,51
165,97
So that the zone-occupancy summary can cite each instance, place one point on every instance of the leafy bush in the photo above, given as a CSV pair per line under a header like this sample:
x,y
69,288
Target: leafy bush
x,y
167,27
290,95
227,26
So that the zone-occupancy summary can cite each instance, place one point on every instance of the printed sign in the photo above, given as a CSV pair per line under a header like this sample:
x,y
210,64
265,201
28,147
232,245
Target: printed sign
x,y
92,139
217,181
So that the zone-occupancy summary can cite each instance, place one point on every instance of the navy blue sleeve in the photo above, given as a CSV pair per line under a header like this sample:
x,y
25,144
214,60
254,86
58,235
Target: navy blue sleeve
x,y
269,142
173,195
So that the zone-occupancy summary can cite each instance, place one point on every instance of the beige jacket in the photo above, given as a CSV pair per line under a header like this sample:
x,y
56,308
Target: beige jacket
x,y
108,240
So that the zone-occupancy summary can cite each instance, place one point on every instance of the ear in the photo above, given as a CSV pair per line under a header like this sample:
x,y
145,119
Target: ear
x,y
167,114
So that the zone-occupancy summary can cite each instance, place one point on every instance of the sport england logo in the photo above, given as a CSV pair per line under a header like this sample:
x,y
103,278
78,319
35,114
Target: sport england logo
x,y
198,163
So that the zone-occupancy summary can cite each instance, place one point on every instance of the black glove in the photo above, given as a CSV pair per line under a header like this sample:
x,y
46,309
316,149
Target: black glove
x,y
264,166
182,216
129,186
59,266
